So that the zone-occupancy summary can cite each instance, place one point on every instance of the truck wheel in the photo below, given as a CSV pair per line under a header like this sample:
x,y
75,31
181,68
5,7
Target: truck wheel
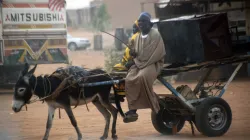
x,y
213,117
162,121
72,46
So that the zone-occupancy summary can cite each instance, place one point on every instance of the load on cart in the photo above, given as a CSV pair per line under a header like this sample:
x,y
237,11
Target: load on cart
x,y
193,43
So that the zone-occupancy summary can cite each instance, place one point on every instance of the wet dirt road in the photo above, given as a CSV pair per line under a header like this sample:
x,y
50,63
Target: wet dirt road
x,y
30,125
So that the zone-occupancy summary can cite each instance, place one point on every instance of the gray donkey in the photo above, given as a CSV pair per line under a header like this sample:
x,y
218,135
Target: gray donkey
x,y
28,84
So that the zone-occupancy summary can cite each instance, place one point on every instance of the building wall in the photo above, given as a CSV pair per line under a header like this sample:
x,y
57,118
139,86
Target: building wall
x,y
83,17
232,15
79,17
124,12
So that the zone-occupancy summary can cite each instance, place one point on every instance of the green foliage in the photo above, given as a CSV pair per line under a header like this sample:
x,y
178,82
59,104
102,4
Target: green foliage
x,y
112,57
101,20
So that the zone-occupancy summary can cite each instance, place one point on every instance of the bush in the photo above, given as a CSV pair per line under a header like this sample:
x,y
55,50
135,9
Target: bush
x,y
112,57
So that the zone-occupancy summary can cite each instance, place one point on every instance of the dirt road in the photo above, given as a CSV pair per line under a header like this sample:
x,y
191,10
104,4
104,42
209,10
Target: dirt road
x,y
30,125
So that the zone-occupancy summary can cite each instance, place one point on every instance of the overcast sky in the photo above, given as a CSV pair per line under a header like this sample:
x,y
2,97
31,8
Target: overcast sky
x,y
75,4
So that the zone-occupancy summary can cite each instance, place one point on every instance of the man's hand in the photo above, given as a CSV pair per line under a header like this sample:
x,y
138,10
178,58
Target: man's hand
x,y
129,64
132,53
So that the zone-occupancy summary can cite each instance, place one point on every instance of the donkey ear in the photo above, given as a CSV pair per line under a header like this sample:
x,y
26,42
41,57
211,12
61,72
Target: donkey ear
x,y
32,70
26,69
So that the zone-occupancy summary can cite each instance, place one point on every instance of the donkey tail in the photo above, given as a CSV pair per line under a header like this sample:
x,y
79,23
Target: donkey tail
x,y
118,103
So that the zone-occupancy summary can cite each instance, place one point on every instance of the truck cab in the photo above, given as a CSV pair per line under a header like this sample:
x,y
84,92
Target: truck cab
x,y
32,31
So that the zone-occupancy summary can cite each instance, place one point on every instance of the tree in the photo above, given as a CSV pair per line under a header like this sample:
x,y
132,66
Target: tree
x,y
101,20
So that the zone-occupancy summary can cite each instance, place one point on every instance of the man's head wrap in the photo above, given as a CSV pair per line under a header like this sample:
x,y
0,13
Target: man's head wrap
x,y
145,15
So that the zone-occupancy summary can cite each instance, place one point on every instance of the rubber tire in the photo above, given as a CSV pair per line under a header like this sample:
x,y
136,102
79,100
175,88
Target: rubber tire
x,y
159,125
201,117
73,48
195,124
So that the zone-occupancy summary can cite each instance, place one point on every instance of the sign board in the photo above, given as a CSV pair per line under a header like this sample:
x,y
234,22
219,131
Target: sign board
x,y
19,16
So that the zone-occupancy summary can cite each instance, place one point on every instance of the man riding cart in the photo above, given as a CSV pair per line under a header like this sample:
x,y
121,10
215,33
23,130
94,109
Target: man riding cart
x,y
148,53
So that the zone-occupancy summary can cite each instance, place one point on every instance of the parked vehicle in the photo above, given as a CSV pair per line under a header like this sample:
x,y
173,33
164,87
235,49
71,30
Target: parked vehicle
x,y
76,43
30,32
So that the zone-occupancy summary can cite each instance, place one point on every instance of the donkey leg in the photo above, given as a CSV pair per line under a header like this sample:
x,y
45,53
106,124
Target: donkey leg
x,y
73,121
114,113
106,115
51,111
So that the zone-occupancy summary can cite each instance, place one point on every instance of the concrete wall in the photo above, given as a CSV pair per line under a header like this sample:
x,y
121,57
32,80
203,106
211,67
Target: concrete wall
x,y
79,17
124,12
82,17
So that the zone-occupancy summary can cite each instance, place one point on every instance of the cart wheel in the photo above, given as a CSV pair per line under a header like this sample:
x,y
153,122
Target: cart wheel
x,y
195,123
213,117
163,121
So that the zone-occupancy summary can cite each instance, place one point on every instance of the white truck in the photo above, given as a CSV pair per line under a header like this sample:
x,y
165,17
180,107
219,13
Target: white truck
x,y
31,31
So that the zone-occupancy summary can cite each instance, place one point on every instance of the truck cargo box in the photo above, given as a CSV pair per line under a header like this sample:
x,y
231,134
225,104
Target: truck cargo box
x,y
193,39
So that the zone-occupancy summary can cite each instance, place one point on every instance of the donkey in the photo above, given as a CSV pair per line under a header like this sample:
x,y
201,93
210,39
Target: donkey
x,y
28,84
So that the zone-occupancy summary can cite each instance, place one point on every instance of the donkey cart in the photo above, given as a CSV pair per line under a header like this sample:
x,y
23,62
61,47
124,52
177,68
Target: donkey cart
x,y
202,42
211,114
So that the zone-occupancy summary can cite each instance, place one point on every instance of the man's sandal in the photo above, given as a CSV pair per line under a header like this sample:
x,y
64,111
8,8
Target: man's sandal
x,y
130,118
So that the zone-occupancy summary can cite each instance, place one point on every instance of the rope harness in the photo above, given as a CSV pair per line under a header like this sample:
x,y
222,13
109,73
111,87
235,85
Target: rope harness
x,y
65,77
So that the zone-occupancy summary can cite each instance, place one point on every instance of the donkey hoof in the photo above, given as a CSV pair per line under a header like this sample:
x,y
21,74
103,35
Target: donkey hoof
x,y
114,137
103,137
80,138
